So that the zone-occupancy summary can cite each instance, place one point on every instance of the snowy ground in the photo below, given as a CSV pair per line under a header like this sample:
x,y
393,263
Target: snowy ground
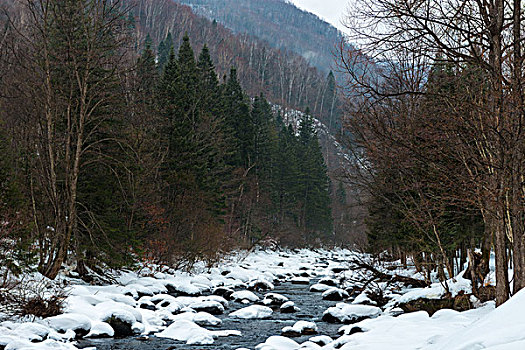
x,y
187,308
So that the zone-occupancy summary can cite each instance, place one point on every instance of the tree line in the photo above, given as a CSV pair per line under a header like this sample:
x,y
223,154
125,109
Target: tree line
x,y
438,131
113,152
279,23
282,75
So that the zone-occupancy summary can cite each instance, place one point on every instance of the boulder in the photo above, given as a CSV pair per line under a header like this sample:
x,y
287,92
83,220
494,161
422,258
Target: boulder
x,y
350,313
288,307
334,294
209,306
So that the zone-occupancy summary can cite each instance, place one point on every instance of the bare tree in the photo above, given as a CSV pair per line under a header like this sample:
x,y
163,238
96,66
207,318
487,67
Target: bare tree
x,y
68,69
489,138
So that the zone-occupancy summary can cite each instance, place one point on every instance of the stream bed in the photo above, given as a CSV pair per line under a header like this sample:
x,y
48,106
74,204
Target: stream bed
x,y
254,331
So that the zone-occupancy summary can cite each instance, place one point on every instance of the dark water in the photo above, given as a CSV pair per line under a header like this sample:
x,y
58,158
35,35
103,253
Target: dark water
x,y
253,331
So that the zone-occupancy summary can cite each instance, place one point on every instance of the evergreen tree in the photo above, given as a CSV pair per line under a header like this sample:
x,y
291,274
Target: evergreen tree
x,y
287,177
236,110
208,83
265,140
147,74
163,51
314,194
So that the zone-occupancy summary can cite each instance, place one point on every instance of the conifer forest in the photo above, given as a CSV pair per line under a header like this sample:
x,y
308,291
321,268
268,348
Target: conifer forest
x,y
262,174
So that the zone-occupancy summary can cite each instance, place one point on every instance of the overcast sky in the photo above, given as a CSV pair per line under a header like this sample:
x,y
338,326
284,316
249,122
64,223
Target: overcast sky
x,y
331,11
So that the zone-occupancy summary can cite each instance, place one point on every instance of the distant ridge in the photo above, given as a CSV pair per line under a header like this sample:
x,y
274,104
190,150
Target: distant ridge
x,y
279,22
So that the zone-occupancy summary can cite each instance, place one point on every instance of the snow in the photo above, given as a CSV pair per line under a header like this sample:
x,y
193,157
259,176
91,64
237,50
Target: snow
x,y
319,287
73,321
100,330
174,317
200,318
274,299
244,295
191,333
278,343
437,290
300,327
502,326
253,311
346,313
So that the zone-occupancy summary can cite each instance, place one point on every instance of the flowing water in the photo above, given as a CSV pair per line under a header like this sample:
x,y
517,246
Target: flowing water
x,y
254,332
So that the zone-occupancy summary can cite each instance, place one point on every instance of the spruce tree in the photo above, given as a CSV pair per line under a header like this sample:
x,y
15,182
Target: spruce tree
x,y
147,74
163,51
208,83
236,110
315,217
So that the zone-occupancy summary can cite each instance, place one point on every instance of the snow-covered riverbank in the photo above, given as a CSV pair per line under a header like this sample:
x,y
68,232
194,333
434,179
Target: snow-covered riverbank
x,y
195,309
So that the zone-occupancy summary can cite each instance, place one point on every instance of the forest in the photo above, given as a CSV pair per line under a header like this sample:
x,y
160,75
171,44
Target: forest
x,y
113,152
168,178
279,23
438,135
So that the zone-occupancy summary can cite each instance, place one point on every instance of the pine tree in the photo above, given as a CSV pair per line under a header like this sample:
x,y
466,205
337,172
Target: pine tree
x,y
287,177
236,110
163,51
208,83
315,217
147,74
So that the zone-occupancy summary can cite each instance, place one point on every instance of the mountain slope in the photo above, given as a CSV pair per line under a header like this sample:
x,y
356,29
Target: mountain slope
x,y
279,23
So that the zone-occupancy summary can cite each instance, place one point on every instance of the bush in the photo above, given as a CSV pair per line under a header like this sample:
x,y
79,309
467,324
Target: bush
x,y
43,307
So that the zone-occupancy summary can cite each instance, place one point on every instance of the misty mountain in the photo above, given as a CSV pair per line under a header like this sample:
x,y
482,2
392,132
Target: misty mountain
x,y
278,22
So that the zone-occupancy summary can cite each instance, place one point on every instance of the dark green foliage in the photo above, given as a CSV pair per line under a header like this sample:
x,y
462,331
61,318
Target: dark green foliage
x,y
146,72
163,51
171,163
316,215
236,110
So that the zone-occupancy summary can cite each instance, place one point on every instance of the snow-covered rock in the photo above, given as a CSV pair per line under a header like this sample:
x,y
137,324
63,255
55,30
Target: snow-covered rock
x,y
299,328
78,323
347,313
334,294
48,344
321,340
252,312
200,318
124,321
278,343
187,331
244,295
191,333
300,280
328,281
223,292
319,287
100,330
288,307
260,285
209,306
363,299
274,299
32,331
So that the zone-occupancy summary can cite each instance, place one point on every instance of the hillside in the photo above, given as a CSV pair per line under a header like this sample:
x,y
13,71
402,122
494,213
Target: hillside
x,y
284,77
279,23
